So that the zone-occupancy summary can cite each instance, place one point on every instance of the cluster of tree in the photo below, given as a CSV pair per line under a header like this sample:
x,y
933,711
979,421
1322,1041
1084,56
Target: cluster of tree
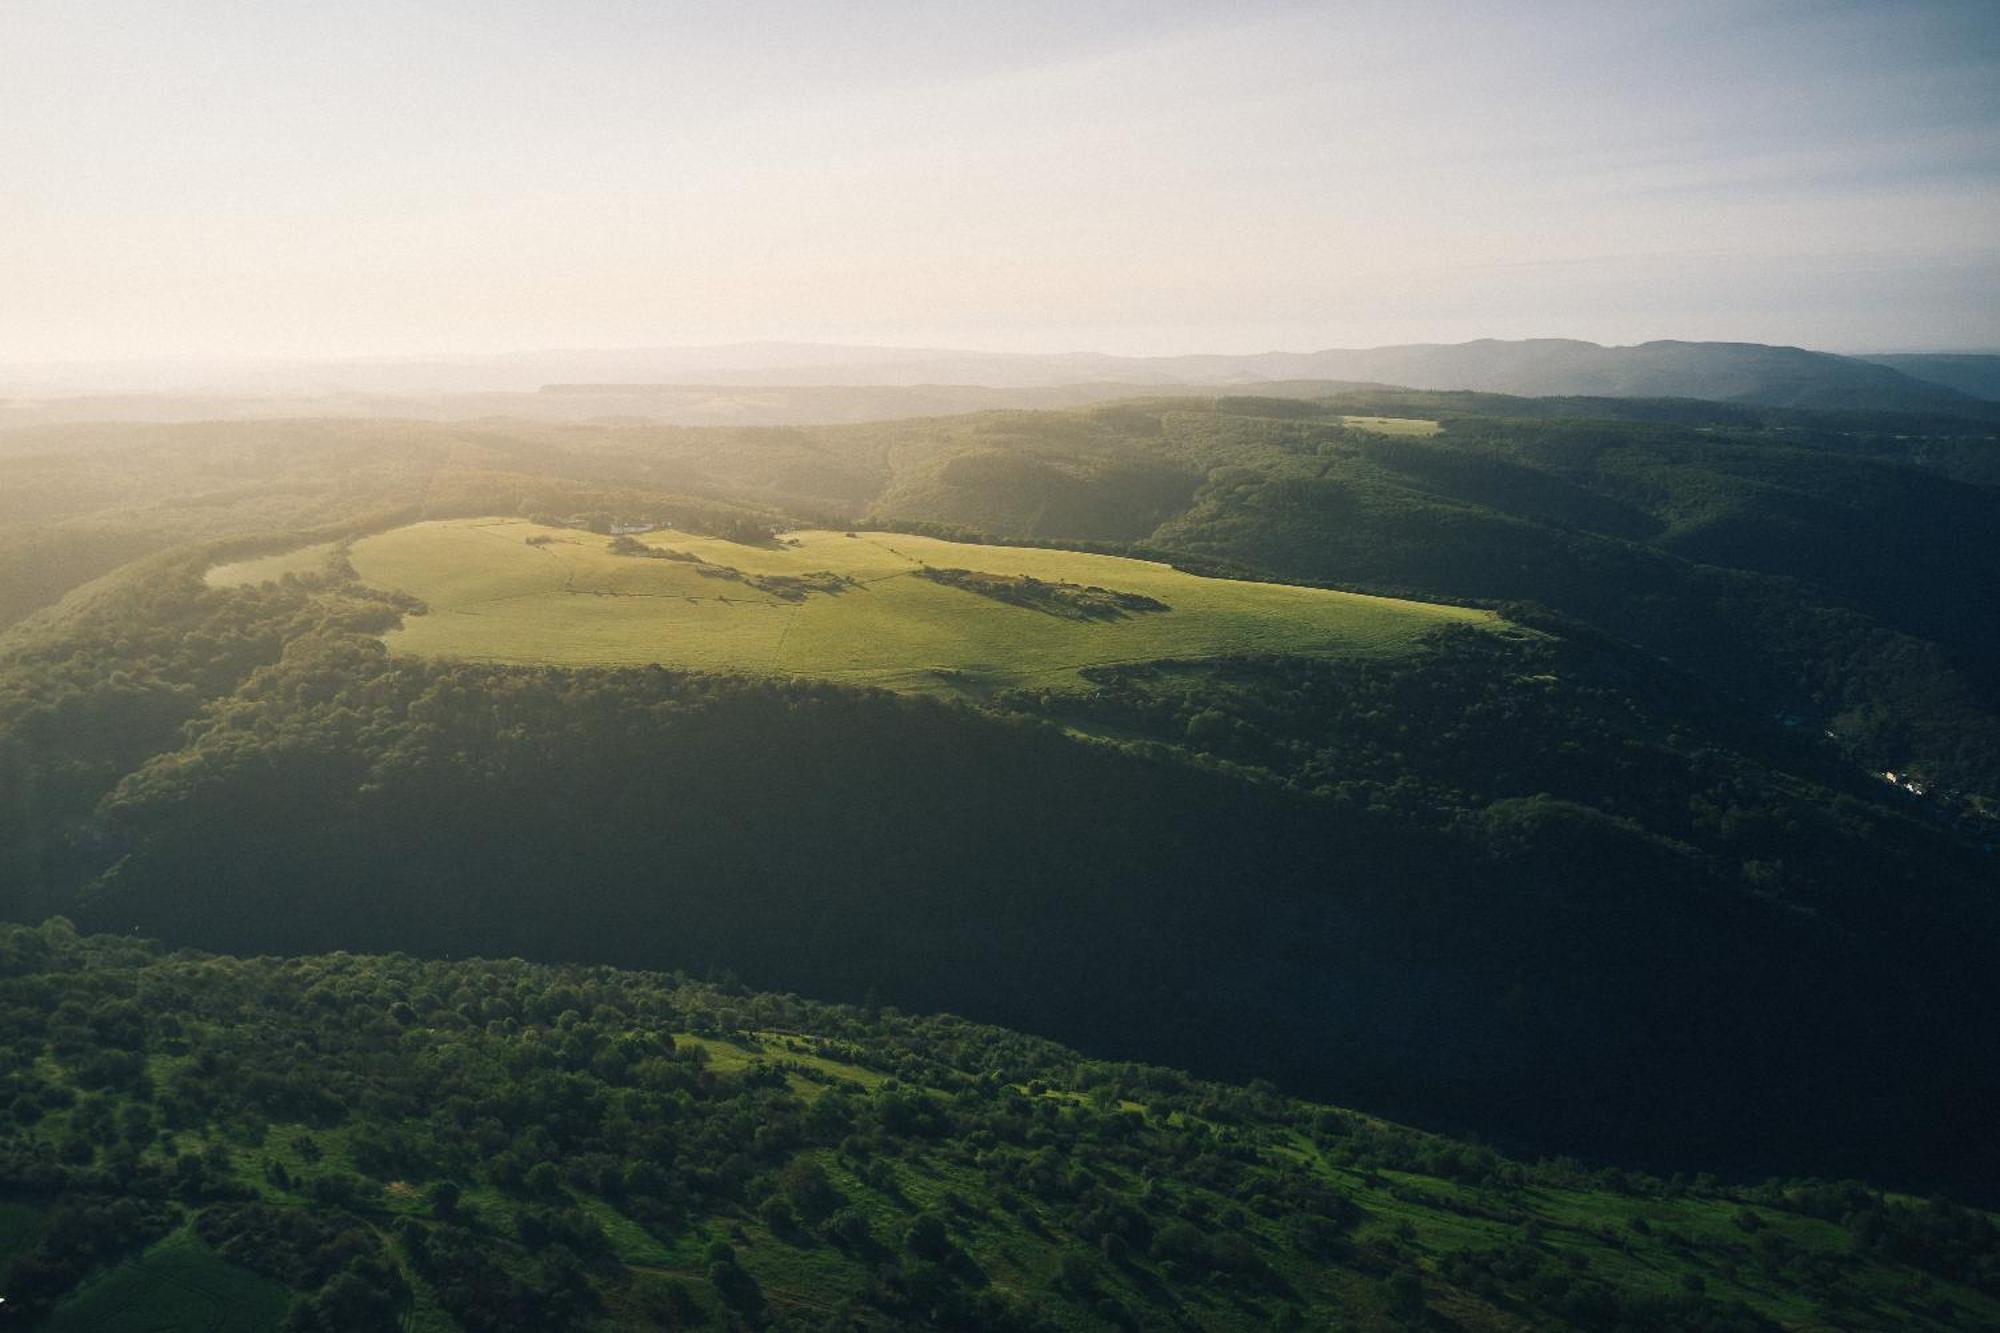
x,y
1483,737
710,519
533,1147
94,694
1068,601
75,1237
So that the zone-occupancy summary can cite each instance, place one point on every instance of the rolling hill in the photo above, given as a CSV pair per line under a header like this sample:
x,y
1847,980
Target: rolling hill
x,y
1622,856
1969,373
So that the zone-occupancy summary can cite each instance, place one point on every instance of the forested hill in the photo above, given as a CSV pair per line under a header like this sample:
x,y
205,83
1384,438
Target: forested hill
x,y
1643,854
1821,568
1438,884
1968,373
350,1143
1727,372
1818,565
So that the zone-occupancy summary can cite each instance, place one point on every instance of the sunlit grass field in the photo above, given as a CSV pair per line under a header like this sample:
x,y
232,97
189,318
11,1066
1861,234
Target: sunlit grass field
x,y
568,598
1393,425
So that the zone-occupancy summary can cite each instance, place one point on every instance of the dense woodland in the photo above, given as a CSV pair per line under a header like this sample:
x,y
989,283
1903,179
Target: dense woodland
x,y
379,1143
1627,886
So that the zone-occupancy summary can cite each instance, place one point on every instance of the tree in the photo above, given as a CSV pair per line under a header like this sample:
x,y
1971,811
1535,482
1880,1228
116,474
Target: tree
x,y
927,1237
1406,1297
1078,1273
444,1199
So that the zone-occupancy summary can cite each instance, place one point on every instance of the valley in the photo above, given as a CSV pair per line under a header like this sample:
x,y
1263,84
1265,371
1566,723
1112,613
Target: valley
x,y
1501,772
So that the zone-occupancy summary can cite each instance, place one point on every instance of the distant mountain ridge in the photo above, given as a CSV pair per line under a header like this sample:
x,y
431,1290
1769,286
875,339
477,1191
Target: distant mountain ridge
x,y
1750,373
1976,373
1726,372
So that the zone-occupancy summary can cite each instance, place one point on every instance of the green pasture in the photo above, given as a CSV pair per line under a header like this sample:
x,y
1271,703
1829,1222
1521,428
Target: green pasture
x,y
1392,425
569,599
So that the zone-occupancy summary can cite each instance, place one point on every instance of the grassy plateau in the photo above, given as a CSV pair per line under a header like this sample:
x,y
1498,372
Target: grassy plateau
x,y
878,608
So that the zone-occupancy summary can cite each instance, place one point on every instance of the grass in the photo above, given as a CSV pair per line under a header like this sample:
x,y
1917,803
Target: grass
x,y
179,1284
570,600
726,1056
1392,425
270,568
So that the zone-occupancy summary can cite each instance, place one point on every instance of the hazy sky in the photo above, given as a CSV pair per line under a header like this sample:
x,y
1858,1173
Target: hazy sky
x,y
196,177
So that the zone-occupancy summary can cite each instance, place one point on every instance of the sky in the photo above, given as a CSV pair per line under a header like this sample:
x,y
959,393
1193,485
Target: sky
x,y
202,178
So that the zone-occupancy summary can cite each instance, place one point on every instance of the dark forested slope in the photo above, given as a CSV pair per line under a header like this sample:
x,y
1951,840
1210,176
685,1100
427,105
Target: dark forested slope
x,y
1438,887
1818,568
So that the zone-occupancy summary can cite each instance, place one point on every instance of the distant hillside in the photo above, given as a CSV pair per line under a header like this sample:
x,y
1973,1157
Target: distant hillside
x,y
718,385
1726,372
1978,375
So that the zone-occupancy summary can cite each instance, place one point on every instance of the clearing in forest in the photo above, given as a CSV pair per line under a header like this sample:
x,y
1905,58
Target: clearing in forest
x,y
877,608
1393,425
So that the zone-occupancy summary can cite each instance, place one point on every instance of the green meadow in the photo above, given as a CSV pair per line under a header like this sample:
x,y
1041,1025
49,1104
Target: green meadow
x,y
857,607
1413,426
